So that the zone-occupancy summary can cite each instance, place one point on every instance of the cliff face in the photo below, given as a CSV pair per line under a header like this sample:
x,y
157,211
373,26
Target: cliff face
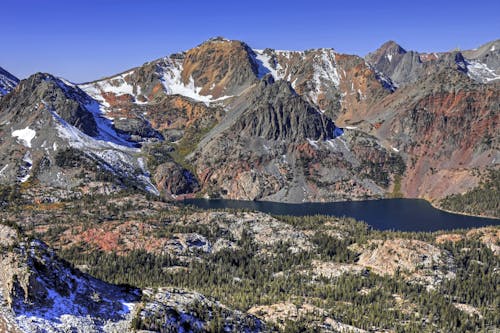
x,y
276,112
401,66
451,131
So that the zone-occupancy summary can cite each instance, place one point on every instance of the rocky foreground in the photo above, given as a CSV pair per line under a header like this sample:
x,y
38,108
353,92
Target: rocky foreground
x,y
176,268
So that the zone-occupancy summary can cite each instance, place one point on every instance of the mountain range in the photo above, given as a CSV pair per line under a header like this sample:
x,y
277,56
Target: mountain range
x,y
226,120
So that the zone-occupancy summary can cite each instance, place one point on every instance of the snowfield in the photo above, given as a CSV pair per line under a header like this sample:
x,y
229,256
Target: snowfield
x,y
480,72
24,136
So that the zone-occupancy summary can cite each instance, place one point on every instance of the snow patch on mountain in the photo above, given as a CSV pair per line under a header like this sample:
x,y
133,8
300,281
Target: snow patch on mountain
x,y
385,80
481,72
171,78
105,127
24,135
117,85
267,64
118,156
325,73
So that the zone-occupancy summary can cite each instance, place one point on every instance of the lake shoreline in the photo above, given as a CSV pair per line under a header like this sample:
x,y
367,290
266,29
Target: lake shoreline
x,y
461,213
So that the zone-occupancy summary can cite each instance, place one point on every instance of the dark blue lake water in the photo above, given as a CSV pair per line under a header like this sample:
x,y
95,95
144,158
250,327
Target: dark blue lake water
x,y
386,214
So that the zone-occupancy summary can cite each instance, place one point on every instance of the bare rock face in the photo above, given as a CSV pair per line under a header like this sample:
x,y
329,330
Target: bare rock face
x,y
277,113
401,66
178,113
172,179
416,260
8,236
171,310
441,123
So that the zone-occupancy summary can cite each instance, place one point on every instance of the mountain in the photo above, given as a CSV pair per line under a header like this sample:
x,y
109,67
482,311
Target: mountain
x,y
276,140
195,99
225,120
7,82
406,67
53,132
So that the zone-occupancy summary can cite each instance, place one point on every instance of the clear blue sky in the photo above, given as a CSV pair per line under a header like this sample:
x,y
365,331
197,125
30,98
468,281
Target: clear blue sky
x,y
86,40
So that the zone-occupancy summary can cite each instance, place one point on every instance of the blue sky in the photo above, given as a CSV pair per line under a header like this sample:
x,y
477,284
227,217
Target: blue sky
x,y
86,40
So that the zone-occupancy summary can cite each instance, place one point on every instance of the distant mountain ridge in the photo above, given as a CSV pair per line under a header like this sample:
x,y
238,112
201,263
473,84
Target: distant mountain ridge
x,y
225,120
482,64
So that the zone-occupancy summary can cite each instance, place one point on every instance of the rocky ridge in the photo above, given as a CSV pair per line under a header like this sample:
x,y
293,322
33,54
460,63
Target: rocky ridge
x,y
225,120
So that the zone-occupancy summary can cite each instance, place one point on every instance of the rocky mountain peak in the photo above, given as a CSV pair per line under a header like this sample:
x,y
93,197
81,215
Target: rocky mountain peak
x,y
276,112
391,47
219,67
217,39
392,60
68,100
388,50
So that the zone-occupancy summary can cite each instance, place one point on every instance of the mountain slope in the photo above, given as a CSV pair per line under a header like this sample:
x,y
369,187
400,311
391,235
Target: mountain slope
x,y
274,145
441,125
